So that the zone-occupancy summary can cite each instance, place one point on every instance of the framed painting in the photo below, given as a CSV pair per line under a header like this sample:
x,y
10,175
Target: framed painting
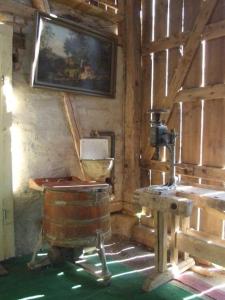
x,y
71,57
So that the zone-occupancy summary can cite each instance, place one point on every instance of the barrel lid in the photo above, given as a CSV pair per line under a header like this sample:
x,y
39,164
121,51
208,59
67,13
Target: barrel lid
x,y
65,184
77,187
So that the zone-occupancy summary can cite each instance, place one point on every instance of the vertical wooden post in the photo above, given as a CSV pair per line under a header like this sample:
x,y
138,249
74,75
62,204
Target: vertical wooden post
x,y
185,224
160,75
146,89
132,99
173,249
156,244
162,241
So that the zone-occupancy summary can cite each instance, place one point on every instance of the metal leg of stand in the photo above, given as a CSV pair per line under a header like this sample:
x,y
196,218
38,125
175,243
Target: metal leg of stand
x,y
34,263
106,275
3,271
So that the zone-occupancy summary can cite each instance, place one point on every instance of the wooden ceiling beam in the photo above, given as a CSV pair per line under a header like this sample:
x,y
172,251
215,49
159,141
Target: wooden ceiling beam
x,y
92,10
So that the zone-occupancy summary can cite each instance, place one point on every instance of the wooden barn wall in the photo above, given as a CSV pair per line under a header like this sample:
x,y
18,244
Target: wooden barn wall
x,y
198,120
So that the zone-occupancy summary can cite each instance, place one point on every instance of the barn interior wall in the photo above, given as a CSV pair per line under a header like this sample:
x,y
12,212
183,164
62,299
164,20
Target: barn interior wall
x,y
42,143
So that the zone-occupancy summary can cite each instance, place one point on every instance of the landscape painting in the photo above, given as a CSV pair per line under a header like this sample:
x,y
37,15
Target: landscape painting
x,y
69,57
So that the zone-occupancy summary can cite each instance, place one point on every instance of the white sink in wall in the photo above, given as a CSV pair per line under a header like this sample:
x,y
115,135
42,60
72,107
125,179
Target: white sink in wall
x,y
97,169
95,158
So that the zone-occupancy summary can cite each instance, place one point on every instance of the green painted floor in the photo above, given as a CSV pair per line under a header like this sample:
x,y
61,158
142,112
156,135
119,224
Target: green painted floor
x,y
65,282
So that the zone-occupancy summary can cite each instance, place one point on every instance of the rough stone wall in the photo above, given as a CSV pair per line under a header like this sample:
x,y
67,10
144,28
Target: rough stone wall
x,y
42,140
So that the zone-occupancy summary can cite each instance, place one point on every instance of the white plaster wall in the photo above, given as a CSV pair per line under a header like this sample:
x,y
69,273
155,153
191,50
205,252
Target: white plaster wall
x,y
42,144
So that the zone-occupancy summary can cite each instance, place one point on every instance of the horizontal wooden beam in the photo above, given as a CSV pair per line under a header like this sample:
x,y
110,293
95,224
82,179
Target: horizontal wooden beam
x,y
144,235
212,31
217,174
166,43
202,245
18,9
216,91
88,9
115,206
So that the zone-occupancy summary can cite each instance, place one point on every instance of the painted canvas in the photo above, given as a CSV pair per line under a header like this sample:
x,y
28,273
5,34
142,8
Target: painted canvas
x,y
69,57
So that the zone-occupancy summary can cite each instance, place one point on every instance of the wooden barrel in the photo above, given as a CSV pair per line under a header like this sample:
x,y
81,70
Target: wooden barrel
x,y
73,215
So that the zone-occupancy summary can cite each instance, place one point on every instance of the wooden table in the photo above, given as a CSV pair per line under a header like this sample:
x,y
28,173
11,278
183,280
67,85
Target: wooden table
x,y
180,208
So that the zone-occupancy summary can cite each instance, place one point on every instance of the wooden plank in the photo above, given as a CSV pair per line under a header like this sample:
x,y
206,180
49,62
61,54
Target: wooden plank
x,y
115,206
165,202
185,225
156,242
159,77
175,224
162,241
204,198
174,56
191,112
189,51
143,235
146,149
209,92
214,135
212,31
211,222
158,279
75,131
173,41
121,25
160,58
147,221
214,112
202,245
132,105
191,132
189,170
92,10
